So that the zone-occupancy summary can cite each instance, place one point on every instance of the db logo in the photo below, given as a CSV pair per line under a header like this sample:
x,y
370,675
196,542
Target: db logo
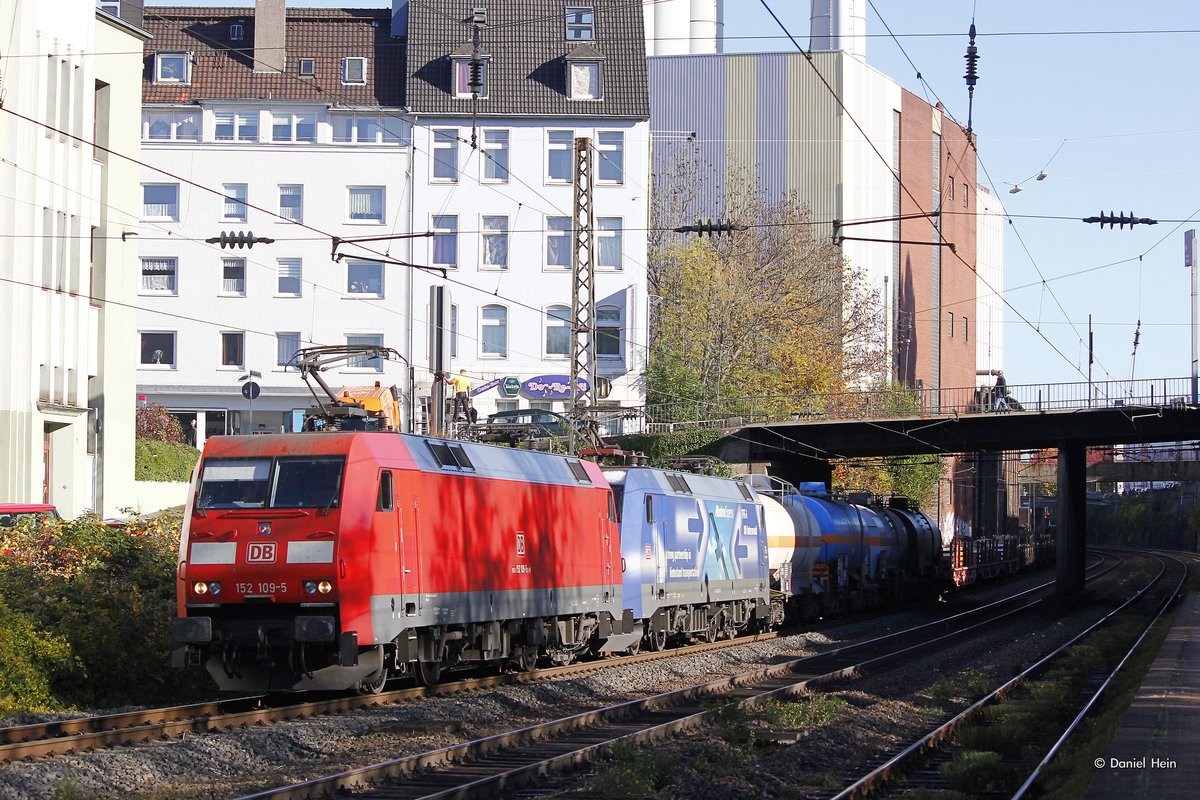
x,y
520,544
260,553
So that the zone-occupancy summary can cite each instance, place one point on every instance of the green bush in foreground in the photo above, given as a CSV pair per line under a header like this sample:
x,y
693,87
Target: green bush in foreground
x,y
90,609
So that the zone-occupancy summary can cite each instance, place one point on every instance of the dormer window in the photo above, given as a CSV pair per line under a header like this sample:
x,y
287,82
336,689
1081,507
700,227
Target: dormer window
x,y
236,32
469,80
172,68
111,6
580,23
354,70
584,68
307,67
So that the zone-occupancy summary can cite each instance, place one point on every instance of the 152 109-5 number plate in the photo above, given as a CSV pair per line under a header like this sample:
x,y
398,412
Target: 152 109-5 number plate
x,y
262,587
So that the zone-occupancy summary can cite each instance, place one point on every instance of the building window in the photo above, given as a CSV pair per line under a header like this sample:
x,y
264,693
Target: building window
x,y
558,332
307,67
611,145
608,242
233,277
583,80
560,145
558,242
950,324
364,278
366,203
158,348
110,6
495,242
966,329
172,68
453,331
445,241
365,362
966,197
950,190
354,70
371,129
171,126
235,126
159,275
286,347
580,23
288,278
445,154
233,207
236,32
160,201
494,331
293,127
291,202
233,349
461,68
495,156
608,332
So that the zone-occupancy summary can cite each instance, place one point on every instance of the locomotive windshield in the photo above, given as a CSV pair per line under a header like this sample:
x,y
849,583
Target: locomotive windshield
x,y
285,482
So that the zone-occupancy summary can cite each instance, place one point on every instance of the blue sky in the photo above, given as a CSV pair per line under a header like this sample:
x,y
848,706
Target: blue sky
x,y
1100,93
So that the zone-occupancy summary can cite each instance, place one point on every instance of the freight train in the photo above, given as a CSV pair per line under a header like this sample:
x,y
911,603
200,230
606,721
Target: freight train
x,y
333,561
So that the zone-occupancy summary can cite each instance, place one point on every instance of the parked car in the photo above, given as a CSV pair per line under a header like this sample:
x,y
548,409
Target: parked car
x,y
530,426
12,513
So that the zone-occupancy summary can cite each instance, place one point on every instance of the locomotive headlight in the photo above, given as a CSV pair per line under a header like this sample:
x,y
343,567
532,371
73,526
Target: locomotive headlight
x,y
200,587
310,587
324,587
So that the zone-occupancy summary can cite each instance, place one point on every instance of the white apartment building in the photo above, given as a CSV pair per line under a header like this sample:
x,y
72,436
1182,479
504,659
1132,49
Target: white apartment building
x,y
303,125
68,193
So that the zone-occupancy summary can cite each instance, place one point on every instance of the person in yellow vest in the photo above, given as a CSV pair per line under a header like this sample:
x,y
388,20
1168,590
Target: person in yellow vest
x,y
462,393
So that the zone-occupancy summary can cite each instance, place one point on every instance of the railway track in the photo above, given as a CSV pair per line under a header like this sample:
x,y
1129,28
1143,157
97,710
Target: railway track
x,y
927,764
92,733
503,762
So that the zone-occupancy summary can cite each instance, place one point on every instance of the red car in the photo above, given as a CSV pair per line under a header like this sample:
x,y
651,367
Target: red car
x,y
12,513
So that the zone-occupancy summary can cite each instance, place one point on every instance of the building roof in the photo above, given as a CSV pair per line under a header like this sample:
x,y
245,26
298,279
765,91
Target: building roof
x,y
223,68
527,49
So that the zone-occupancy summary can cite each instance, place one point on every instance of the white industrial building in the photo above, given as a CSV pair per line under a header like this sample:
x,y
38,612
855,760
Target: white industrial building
x,y
68,197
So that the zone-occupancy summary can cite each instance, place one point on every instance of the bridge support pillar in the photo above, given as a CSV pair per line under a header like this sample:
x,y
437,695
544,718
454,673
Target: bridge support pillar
x,y
1072,509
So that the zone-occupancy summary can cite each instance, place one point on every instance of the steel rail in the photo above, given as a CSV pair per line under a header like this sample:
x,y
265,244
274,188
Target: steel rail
x,y
579,738
896,766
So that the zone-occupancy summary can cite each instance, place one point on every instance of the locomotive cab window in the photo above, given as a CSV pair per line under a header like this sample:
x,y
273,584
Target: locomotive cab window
x,y
235,483
303,482
649,508
614,514
386,500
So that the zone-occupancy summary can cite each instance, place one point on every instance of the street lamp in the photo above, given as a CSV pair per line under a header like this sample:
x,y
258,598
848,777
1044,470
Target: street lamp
x,y
250,391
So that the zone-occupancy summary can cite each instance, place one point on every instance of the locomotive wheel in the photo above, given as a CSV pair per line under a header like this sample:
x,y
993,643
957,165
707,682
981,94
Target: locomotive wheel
x,y
373,685
428,672
525,656
709,634
657,640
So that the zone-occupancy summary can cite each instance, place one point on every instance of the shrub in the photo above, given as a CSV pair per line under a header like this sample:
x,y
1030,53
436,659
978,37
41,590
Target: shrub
x,y
156,423
109,593
163,461
29,657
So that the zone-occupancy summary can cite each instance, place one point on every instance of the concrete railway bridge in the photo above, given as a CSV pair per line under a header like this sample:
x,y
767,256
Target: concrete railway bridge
x,y
798,436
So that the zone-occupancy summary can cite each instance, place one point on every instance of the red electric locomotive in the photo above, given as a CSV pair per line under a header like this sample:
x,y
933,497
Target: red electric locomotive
x,y
335,560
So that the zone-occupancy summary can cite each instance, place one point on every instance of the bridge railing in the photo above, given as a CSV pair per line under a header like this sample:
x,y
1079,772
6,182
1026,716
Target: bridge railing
x,y
733,412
